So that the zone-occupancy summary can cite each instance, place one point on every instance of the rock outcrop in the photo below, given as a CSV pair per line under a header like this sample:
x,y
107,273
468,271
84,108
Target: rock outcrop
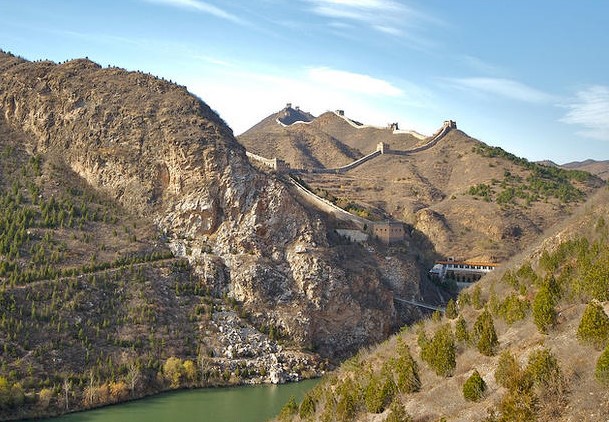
x,y
161,152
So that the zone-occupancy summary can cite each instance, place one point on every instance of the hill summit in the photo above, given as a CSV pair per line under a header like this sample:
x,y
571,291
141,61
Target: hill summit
x,y
469,199
141,251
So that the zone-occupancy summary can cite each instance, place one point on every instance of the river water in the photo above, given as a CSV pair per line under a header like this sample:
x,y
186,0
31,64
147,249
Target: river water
x,y
239,404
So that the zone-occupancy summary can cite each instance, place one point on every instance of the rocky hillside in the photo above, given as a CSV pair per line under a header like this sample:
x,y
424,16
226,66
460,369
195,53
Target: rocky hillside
x,y
137,235
469,199
527,342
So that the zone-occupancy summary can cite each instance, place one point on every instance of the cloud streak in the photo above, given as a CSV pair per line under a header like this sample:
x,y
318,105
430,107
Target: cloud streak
x,y
200,6
590,110
385,16
506,88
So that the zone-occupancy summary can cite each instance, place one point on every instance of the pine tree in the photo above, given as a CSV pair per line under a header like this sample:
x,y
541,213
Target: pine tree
x,y
461,333
601,371
440,352
307,407
544,314
508,372
451,310
594,326
397,413
484,334
406,369
474,387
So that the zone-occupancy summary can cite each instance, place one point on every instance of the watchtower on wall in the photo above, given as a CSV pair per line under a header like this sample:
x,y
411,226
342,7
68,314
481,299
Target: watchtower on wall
x,y
450,123
388,231
279,165
382,147
340,112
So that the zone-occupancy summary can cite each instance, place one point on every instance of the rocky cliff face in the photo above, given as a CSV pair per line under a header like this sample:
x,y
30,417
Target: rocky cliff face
x,y
161,152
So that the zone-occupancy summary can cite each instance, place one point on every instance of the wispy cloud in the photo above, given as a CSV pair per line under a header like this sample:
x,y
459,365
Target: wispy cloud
x,y
386,16
262,90
201,6
353,82
481,66
590,110
506,88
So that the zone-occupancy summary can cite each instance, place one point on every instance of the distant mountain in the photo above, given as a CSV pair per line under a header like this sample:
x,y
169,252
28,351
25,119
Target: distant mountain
x,y
598,168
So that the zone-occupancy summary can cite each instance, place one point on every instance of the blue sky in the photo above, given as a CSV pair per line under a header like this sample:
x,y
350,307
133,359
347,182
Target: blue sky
x,y
529,76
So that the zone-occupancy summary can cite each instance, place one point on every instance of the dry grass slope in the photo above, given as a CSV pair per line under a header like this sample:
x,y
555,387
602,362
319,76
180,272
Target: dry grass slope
x,y
552,377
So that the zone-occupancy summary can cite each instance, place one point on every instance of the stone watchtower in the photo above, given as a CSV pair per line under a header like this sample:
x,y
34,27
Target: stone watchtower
x,y
382,147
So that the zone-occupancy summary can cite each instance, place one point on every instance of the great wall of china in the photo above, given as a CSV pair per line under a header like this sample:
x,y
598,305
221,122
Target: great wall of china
x,y
328,207
281,166
372,227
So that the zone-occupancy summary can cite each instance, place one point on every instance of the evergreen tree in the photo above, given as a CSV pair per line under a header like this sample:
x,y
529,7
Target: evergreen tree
x,y
289,410
406,369
440,352
477,298
397,413
601,371
461,333
484,334
307,407
474,387
594,326
544,314
543,369
451,310
508,372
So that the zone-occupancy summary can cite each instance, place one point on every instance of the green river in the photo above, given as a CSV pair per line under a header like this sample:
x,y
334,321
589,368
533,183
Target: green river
x,y
240,404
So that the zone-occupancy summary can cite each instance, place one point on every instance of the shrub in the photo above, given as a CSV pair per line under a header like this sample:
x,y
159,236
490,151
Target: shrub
x,y
289,410
474,387
477,298
397,413
406,369
461,333
451,310
439,352
543,369
307,407
378,393
544,314
601,372
484,334
594,326
508,372
513,309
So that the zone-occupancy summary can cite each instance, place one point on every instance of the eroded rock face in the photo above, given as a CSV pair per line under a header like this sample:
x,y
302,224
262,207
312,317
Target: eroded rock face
x,y
160,151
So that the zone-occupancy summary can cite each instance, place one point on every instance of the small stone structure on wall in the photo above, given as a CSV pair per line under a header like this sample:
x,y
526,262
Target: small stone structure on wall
x,y
388,231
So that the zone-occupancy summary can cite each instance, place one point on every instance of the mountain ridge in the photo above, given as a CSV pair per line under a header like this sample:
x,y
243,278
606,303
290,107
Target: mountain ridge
x,y
247,252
